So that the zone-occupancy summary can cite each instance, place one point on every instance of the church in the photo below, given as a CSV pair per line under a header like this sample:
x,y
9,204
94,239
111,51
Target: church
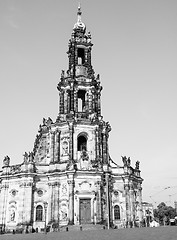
x,y
69,177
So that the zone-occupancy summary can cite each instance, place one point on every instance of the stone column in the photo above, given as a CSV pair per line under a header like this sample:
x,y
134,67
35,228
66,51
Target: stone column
x,y
99,103
76,210
71,143
50,202
68,101
28,202
75,100
90,100
3,204
89,56
104,144
140,204
65,102
52,146
55,209
86,55
61,108
127,201
132,204
96,144
72,97
57,146
23,202
105,132
58,202
98,202
87,100
93,100
71,201
100,147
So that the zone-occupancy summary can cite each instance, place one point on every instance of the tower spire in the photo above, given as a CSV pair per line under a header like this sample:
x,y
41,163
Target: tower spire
x,y
79,9
79,13
79,24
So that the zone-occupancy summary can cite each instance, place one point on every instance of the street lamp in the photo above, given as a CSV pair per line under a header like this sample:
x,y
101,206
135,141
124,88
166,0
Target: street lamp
x,y
45,208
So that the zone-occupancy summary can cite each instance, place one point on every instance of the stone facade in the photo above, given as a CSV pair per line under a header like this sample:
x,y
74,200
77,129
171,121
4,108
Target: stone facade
x,y
69,177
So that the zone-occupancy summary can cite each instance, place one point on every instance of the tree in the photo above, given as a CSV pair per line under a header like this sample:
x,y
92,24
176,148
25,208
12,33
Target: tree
x,y
164,213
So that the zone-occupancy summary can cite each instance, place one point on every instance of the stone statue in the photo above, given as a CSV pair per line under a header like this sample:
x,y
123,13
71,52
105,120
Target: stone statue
x,y
137,165
25,157
62,73
30,157
40,128
65,148
44,122
128,161
108,126
6,161
12,214
68,73
124,159
84,159
49,121
84,155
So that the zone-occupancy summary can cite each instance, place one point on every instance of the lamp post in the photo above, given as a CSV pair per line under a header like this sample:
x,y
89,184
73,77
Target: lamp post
x,y
45,208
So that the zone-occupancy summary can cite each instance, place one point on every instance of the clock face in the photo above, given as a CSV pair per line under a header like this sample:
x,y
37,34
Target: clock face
x,y
13,193
39,192
116,193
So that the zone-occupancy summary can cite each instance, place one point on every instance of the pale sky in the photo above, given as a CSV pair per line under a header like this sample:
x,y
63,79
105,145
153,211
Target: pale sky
x,y
135,53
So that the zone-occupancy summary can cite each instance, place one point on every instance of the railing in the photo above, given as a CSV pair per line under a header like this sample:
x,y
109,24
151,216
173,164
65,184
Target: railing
x,y
15,168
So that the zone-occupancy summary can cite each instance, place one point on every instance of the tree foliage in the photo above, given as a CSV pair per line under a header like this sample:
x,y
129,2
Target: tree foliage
x,y
164,213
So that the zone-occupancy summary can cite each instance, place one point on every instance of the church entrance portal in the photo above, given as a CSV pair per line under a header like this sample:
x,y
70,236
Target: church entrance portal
x,y
85,211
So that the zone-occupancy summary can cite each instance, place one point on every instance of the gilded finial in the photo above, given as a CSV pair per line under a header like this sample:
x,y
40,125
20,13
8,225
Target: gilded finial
x,y
79,7
79,13
79,24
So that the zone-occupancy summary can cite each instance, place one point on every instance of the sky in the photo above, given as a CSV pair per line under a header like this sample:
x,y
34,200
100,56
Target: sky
x,y
135,53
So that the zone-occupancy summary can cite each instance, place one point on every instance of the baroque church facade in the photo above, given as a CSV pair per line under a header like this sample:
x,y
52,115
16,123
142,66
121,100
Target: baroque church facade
x,y
69,177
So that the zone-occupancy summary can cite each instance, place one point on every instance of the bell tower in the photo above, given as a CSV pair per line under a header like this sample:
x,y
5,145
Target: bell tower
x,y
80,102
79,90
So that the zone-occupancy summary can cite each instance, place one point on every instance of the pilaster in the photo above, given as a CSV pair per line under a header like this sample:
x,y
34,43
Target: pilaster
x,y
71,201
3,203
71,130
25,207
90,101
57,146
65,102
140,204
75,100
127,202
104,144
72,97
98,201
61,110
99,103
52,146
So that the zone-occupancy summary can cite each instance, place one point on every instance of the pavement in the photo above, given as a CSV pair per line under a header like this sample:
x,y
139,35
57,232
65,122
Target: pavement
x,y
158,233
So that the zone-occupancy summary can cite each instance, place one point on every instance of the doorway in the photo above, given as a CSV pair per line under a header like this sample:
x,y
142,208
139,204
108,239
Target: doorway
x,y
85,211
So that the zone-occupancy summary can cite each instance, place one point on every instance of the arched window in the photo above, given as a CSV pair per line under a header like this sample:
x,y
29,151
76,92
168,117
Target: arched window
x,y
39,213
117,212
81,143
81,56
81,100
